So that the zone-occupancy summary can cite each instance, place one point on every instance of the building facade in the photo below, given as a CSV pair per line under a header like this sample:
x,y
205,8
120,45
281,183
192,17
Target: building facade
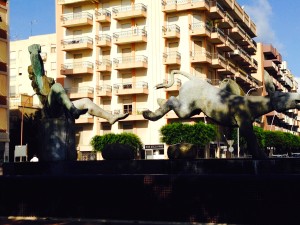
x,y
283,80
4,80
115,52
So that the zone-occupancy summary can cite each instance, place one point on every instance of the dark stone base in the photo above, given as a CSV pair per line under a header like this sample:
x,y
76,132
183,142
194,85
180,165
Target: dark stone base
x,y
240,191
57,140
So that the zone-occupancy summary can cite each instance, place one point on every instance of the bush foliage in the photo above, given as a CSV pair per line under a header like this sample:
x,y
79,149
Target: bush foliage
x,y
199,133
98,142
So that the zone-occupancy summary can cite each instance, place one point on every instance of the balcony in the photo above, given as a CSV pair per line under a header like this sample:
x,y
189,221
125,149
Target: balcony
x,y
78,43
201,56
271,67
69,2
172,58
86,118
131,88
103,65
104,90
240,15
130,62
80,92
171,31
237,32
103,40
169,6
84,67
227,22
217,36
135,35
76,19
244,79
229,70
218,61
192,5
227,46
175,87
127,12
216,11
134,114
271,53
103,16
200,29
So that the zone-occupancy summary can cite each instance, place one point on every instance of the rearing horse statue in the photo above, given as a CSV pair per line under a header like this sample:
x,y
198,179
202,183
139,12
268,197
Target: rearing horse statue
x,y
224,107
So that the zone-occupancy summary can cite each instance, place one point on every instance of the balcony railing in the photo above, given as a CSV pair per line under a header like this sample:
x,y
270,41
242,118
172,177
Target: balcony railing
x,y
127,62
200,56
76,90
104,90
76,19
200,29
130,36
103,40
216,10
172,57
103,15
103,65
76,65
78,43
130,11
83,67
140,87
171,31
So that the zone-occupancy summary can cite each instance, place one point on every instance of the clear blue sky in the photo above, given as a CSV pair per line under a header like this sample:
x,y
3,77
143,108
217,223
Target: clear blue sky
x,y
277,23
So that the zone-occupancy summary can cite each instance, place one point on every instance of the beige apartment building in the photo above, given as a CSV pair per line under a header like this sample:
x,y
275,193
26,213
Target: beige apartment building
x,y
20,84
115,52
4,80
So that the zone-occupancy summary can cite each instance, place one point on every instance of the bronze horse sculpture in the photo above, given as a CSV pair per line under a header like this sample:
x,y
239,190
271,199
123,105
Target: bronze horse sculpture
x,y
225,107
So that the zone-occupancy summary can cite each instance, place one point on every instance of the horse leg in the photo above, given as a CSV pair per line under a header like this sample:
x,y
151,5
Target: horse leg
x,y
246,129
165,107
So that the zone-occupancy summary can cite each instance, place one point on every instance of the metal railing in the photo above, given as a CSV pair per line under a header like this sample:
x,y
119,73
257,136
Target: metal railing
x,y
102,12
103,37
103,62
77,40
76,16
138,6
84,89
131,85
130,59
131,32
76,65
104,87
172,27
172,55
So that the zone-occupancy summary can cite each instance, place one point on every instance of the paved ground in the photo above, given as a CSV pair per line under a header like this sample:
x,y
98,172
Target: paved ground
x,y
69,221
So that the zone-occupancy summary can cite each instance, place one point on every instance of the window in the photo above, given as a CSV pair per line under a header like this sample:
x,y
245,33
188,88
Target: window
x,y
53,49
127,127
53,65
127,108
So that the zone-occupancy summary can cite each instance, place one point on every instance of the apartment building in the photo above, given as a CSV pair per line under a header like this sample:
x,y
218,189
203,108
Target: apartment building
x,y
115,52
20,84
272,63
4,79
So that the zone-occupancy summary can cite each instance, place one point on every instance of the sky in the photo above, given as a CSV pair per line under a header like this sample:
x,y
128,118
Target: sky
x,y
277,23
